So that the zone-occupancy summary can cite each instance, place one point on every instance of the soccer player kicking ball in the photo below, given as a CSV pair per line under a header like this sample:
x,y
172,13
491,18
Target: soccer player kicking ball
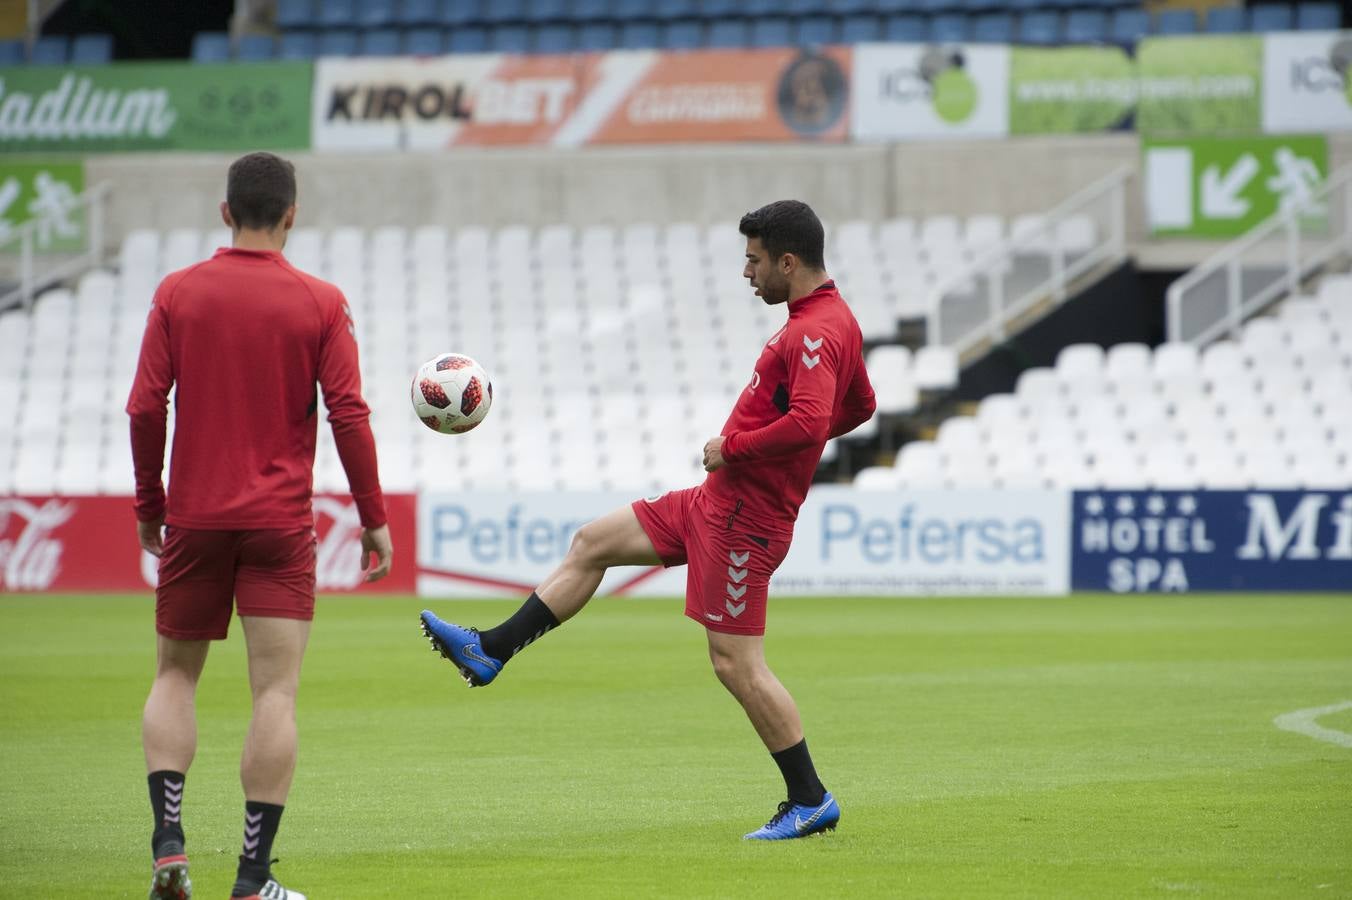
x,y
245,337
733,530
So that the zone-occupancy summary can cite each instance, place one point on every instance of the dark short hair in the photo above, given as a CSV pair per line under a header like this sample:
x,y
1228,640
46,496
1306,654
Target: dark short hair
x,y
788,226
260,189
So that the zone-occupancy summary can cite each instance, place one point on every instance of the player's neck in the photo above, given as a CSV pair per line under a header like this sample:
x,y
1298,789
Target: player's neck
x,y
806,284
259,239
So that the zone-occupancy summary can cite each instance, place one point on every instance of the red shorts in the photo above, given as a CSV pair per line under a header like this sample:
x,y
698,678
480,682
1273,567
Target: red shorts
x,y
261,573
728,577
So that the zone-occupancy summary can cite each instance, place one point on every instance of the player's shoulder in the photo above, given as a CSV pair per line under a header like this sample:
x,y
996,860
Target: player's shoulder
x,y
324,292
178,278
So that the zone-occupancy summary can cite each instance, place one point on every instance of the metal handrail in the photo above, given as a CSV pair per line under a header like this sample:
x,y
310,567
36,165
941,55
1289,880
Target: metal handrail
x,y
1230,259
25,235
991,263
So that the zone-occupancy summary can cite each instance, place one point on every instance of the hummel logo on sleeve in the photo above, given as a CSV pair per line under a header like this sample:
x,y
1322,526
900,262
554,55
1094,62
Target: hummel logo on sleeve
x,y
811,360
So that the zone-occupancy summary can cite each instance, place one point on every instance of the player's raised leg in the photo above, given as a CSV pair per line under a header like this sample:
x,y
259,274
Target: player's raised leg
x,y
615,539
276,647
169,736
739,663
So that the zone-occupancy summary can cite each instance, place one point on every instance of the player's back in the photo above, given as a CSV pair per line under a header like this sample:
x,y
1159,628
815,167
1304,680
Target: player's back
x,y
247,336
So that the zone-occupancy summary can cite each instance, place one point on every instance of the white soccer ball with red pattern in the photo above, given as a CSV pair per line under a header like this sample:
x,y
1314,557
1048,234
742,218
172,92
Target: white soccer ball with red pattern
x,y
451,393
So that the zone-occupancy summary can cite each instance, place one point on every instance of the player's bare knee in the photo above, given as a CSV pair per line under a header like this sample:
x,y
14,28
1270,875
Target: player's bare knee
x,y
587,546
731,670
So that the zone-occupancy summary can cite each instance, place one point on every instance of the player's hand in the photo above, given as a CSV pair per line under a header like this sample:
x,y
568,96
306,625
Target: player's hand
x,y
150,534
713,454
377,541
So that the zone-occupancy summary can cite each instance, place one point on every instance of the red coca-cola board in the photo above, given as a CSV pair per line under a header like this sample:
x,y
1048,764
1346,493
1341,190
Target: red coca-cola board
x,y
83,544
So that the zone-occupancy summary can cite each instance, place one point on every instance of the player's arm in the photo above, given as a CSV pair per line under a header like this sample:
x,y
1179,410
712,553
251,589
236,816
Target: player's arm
x,y
812,363
148,407
858,405
349,416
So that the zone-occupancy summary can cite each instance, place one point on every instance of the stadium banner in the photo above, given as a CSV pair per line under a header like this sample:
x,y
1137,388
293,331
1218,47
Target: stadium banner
x,y
919,91
1063,90
473,544
1307,85
1179,541
45,192
1224,186
155,106
1210,84
623,97
68,544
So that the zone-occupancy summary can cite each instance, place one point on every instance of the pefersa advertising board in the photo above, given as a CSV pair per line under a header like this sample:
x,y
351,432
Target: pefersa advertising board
x,y
624,97
919,91
155,106
846,542
1306,84
1180,541
89,544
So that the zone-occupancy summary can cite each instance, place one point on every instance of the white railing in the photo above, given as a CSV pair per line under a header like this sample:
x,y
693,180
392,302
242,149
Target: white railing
x,y
36,272
1038,263
1267,263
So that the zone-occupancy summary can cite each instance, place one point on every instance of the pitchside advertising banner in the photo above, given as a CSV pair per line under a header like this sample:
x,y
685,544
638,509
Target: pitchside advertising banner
x,y
155,106
625,97
89,544
846,542
1174,541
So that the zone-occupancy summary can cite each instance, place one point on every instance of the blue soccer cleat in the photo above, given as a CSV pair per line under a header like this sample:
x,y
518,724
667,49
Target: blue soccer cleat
x,y
796,820
462,647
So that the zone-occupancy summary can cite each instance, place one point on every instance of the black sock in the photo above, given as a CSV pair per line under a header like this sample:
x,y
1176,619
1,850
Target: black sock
x,y
795,763
527,624
260,827
166,801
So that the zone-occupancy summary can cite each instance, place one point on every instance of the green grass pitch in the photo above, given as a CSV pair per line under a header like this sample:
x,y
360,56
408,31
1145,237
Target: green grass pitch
x,y
1090,746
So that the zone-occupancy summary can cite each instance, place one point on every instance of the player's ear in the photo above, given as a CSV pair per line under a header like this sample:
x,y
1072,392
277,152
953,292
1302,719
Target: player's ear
x,y
289,219
225,216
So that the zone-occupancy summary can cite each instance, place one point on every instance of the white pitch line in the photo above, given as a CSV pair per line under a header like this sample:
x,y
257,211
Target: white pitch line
x,y
1302,721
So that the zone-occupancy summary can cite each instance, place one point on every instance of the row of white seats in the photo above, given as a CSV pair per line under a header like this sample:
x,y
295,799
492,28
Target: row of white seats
x,y
1271,409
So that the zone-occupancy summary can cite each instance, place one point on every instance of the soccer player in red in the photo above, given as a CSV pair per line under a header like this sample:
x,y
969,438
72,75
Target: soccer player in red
x,y
733,530
244,338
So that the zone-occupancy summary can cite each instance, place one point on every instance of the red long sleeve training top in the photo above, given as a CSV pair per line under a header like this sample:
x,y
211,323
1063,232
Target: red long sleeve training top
x,y
809,385
245,337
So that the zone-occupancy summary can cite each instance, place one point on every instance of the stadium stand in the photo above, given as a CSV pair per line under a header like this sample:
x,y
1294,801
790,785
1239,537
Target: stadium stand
x,y
307,28
1269,410
572,373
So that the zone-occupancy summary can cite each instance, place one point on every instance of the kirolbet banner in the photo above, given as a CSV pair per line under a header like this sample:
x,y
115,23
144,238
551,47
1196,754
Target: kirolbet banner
x,y
1224,186
89,544
155,106
909,91
846,542
625,97
44,193
1177,541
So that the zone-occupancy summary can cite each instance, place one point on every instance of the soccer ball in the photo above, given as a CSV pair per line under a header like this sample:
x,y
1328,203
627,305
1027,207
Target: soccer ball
x,y
451,393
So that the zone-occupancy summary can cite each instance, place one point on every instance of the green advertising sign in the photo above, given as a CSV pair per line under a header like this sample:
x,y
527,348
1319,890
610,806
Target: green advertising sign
x,y
44,193
1221,187
1070,89
1176,85
1200,85
155,106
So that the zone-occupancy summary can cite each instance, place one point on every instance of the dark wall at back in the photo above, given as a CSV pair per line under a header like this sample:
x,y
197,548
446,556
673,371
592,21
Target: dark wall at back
x,y
1127,305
